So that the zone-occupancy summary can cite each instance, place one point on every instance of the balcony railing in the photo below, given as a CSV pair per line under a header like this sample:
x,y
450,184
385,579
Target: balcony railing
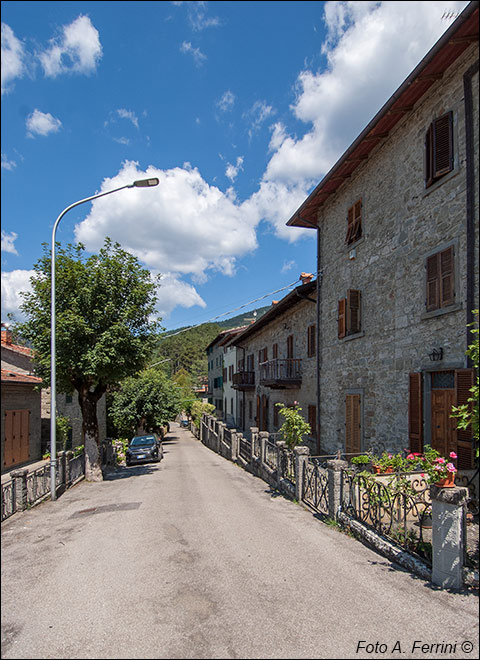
x,y
281,373
244,380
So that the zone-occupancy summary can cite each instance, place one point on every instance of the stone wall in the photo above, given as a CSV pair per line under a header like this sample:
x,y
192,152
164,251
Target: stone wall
x,y
402,224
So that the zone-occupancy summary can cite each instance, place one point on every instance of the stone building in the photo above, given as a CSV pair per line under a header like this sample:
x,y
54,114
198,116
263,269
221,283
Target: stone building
x,y
19,360
397,230
276,362
219,389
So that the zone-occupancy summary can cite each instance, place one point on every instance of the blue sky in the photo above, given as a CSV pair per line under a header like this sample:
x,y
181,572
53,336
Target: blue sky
x,y
239,108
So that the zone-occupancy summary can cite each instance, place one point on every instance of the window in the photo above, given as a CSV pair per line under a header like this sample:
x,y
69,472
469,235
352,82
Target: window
x,y
68,398
354,226
349,314
263,355
275,351
440,279
311,339
250,363
439,149
290,346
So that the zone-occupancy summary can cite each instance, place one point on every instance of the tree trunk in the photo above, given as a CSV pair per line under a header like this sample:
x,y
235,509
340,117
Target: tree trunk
x,y
88,404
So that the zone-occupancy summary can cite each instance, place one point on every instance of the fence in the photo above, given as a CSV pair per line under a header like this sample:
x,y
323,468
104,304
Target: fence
x,y
421,527
27,488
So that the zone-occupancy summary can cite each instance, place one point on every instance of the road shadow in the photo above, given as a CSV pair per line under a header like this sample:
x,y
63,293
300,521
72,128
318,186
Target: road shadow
x,y
125,472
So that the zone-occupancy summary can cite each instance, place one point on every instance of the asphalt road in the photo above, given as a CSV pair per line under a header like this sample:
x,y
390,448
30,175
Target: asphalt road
x,y
196,558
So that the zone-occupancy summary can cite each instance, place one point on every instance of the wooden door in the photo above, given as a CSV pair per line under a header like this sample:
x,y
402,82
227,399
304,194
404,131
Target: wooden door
x,y
17,437
443,426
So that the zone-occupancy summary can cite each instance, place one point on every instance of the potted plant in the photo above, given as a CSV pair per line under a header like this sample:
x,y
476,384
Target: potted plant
x,y
384,464
439,470
361,462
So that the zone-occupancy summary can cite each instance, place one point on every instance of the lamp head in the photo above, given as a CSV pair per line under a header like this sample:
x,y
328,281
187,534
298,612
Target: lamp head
x,y
146,183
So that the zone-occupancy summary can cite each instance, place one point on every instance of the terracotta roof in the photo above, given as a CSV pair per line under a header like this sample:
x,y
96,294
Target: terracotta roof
x,y
461,34
14,347
293,298
16,377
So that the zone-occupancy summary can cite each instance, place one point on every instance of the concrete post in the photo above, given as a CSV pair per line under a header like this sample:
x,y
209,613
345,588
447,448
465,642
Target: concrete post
x,y
334,472
282,458
233,445
448,535
61,466
68,478
262,437
19,477
254,436
221,436
301,457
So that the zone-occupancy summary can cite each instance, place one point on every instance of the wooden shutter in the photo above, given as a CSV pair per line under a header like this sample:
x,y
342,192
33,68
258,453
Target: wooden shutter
x,y
290,347
354,223
433,289
439,148
353,324
464,381
415,417
342,327
348,238
275,351
447,288
352,424
442,145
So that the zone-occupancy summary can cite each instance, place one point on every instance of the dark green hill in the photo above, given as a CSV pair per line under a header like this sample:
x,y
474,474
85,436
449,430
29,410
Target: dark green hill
x,y
184,348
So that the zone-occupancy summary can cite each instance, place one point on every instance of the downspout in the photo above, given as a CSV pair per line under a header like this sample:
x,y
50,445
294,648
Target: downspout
x,y
470,199
319,348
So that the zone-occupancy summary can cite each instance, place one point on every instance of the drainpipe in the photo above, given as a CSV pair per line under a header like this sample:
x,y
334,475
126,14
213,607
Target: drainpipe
x,y
470,198
319,348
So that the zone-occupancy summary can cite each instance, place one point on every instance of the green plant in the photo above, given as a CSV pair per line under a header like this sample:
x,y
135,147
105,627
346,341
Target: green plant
x,y
364,459
78,451
199,408
294,427
62,427
387,460
468,413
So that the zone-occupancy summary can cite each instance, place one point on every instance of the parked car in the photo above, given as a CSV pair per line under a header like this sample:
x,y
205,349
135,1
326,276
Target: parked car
x,y
144,448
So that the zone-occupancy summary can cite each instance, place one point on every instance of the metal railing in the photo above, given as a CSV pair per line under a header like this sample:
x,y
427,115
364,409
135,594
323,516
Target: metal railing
x,y
281,371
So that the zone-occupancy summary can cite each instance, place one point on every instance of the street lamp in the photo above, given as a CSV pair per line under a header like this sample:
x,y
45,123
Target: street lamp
x,y
142,183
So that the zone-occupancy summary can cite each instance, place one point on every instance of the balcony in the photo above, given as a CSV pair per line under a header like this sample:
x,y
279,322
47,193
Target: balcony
x,y
244,380
281,374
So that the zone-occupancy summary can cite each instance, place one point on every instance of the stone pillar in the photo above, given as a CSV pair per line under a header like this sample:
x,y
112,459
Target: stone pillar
x,y
61,467
68,478
282,458
262,437
301,457
221,435
254,436
448,535
233,445
19,478
334,472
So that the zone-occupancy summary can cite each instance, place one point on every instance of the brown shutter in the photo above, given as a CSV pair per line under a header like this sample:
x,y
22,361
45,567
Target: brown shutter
x,y
447,288
312,420
342,318
352,424
415,417
429,156
353,311
350,218
433,293
442,145
290,346
275,351
311,340
464,381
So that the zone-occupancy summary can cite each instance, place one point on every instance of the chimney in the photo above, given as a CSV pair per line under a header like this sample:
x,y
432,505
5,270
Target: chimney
x,y
274,302
6,334
306,277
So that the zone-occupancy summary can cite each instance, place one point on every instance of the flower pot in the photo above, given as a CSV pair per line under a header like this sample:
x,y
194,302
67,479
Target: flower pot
x,y
379,470
447,482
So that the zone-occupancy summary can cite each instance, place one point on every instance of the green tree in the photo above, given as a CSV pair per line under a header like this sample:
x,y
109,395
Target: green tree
x,y
105,331
200,407
145,402
468,414
294,427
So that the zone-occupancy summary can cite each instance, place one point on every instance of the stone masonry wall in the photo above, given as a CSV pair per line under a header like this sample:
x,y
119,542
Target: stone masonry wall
x,y
402,224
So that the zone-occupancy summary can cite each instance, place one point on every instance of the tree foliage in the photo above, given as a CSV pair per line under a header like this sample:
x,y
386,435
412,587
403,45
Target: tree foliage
x,y
104,326
294,427
145,402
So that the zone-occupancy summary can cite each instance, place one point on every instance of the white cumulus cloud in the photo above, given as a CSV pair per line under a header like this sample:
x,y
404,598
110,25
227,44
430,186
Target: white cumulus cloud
x,y
13,283
42,123
76,50
8,242
13,57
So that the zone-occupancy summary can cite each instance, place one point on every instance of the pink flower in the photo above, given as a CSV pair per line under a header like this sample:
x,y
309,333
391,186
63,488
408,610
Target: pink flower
x,y
440,460
410,457
453,455
422,475
451,467
438,467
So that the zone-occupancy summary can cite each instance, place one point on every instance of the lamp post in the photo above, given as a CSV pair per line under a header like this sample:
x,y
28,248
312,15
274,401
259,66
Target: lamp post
x,y
142,183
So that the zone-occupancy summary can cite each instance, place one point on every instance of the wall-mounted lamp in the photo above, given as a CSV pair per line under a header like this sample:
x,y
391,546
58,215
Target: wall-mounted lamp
x,y
436,354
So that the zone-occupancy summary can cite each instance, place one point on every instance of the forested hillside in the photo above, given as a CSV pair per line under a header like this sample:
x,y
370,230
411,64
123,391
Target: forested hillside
x,y
185,348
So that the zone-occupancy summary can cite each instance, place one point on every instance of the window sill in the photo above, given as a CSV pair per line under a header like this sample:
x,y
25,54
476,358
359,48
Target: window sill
x,y
456,307
357,335
351,246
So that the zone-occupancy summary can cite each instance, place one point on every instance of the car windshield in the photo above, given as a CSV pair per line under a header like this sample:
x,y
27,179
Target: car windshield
x,y
142,441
